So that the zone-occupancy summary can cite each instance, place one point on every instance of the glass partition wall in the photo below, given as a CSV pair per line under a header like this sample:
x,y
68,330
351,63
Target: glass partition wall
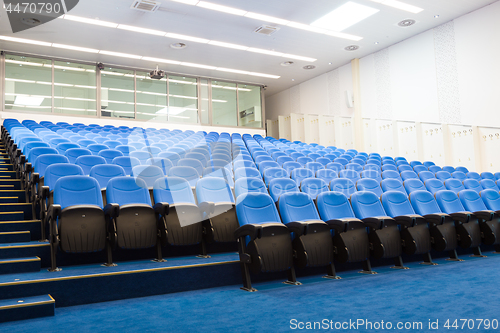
x,y
44,85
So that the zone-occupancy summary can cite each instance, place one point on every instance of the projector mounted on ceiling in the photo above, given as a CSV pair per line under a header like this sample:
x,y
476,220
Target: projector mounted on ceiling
x,y
157,74
145,5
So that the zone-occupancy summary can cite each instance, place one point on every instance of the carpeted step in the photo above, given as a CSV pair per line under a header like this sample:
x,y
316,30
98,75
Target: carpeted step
x,y
19,194
6,167
15,237
28,249
20,265
11,216
10,184
26,208
27,308
8,174
33,226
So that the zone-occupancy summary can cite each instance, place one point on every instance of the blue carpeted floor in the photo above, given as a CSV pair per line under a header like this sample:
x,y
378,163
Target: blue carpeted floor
x,y
452,290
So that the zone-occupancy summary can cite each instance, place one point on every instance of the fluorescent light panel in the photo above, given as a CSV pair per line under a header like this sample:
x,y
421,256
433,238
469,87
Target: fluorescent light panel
x,y
400,5
90,21
344,16
141,30
220,8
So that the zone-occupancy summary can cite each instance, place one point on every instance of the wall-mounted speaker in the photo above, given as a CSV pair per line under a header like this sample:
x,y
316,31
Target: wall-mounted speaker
x,y
349,100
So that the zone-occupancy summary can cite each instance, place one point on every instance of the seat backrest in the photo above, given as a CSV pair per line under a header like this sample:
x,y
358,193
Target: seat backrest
x,y
104,172
472,184
96,148
220,172
370,185
334,205
327,175
435,168
86,142
141,155
323,161
245,185
366,204
341,160
32,145
127,163
392,184
109,154
191,162
77,190
173,190
371,174
63,147
487,175
404,167
413,184
471,201
423,202
454,185
413,163
289,166
267,164
127,190
449,169
256,208
473,175
282,159
213,190
462,169
314,166
56,141
350,174
343,185
354,166
297,206
172,156
300,174
491,199
391,174
489,184
443,175
434,185
58,170
419,168
272,173
396,203
405,175
86,162
335,166
389,167
425,175
459,175
73,153
246,172
278,186
448,202
43,161
200,157
186,172
125,149
313,187
39,151
112,144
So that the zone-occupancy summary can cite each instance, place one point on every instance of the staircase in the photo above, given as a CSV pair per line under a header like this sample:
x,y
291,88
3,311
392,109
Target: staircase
x,y
20,247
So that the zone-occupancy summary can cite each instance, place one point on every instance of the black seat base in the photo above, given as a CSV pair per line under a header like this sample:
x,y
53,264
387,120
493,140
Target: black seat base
x,y
398,263
454,256
221,225
367,268
428,260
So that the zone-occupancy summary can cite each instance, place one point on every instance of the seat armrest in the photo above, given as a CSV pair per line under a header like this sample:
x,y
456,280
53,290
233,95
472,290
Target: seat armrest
x,y
462,217
44,192
251,230
18,153
35,178
207,207
22,159
162,208
436,218
112,210
299,228
343,225
28,167
486,215
408,220
54,212
376,222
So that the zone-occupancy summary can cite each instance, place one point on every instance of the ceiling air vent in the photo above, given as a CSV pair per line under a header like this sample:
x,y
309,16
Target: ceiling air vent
x,y
267,30
407,23
145,5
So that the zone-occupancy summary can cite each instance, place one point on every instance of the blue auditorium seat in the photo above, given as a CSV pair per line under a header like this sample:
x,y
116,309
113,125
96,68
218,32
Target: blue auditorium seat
x,y
63,147
383,233
405,175
392,184
327,175
414,184
141,155
86,162
462,169
96,148
472,184
127,163
434,185
343,185
148,173
188,173
354,166
135,220
323,160
419,168
112,144
173,157
104,172
267,164
391,174
413,163
163,163
467,225
314,166
454,185
73,153
489,184
220,172
414,228
272,173
313,187
300,174
489,221
443,175
191,162
77,202
278,186
109,154
335,166
376,168
259,220
125,149
350,174
246,172
312,243
487,175
282,159
435,168
473,175
372,175
249,185
370,185
426,175
341,160
404,167
449,169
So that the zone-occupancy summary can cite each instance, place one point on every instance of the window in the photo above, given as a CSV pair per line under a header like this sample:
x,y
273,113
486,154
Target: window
x,y
249,105
74,88
151,98
224,103
204,102
183,99
117,93
28,84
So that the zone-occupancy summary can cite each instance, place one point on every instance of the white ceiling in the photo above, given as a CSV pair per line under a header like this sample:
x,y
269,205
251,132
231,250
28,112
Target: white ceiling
x,y
200,22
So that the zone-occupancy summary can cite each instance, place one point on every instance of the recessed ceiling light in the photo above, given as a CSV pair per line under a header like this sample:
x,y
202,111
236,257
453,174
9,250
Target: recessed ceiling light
x,y
407,23
293,79
329,63
376,43
400,5
351,48
436,16
286,63
344,16
178,46
309,67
